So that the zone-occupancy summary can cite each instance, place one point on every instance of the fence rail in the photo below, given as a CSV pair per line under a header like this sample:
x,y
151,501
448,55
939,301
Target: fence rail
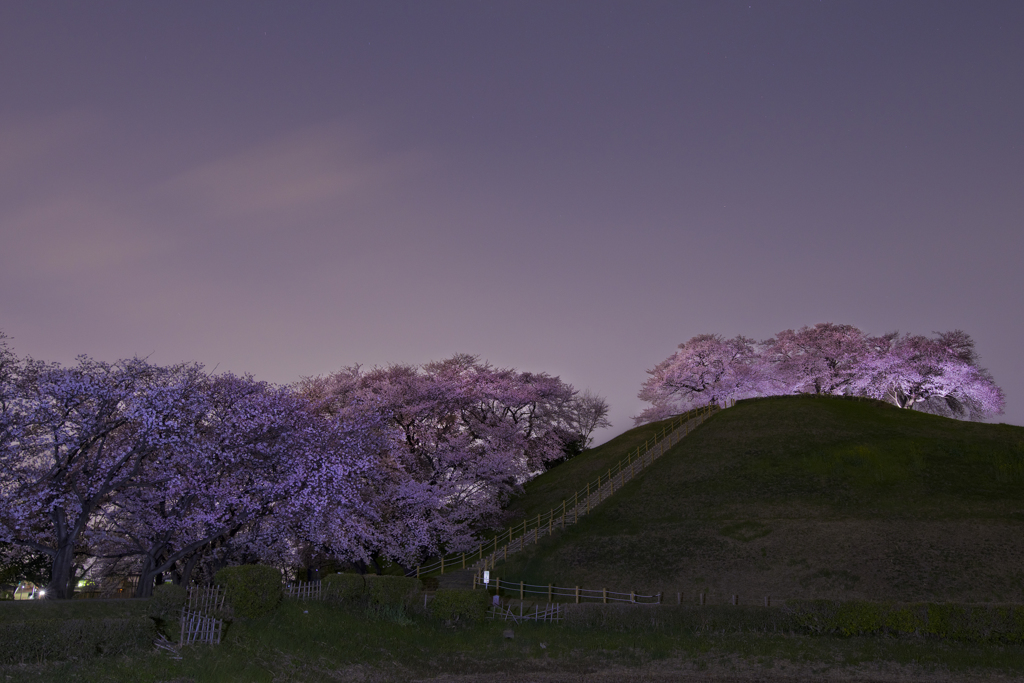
x,y
522,590
197,627
572,508
550,612
304,590
205,598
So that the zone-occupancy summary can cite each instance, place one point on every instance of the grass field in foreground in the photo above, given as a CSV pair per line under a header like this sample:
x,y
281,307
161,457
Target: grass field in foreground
x,y
312,642
808,497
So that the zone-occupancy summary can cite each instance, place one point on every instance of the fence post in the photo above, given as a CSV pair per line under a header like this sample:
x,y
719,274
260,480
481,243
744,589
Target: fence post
x,y
588,491
703,598
604,595
577,595
659,597
632,596
549,592
735,599
521,586
679,598
767,601
417,571
463,560
442,563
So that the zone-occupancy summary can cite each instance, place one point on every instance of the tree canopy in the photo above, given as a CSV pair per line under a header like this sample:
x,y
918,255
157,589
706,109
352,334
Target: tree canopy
x,y
938,374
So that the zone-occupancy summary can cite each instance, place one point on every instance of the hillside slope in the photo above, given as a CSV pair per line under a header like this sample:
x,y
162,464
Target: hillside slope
x,y
809,497
549,489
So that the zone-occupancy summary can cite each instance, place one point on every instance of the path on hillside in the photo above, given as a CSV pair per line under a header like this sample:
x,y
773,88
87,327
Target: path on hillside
x,y
580,506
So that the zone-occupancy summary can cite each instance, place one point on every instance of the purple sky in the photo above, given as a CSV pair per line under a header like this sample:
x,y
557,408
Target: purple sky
x,y
288,188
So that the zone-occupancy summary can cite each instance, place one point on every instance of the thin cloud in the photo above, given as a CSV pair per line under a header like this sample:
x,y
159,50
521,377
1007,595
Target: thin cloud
x,y
70,236
297,170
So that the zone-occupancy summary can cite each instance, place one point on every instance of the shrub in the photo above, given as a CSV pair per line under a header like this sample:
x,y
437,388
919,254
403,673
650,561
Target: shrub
x,y
459,606
978,623
165,608
167,601
677,618
388,592
253,590
345,588
37,640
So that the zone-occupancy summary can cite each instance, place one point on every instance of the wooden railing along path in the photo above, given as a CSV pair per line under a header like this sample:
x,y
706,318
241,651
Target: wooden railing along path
x,y
581,503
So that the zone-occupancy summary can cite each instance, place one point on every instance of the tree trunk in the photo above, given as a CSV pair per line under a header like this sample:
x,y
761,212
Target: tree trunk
x,y
190,566
146,576
62,582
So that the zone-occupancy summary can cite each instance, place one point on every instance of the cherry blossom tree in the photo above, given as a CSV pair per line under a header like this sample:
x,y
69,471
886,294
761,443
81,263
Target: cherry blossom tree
x,y
261,452
87,433
939,375
707,369
824,359
462,437
12,418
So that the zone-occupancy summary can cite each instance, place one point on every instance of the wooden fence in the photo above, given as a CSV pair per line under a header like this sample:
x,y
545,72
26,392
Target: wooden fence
x,y
205,598
572,508
304,590
575,594
550,612
198,625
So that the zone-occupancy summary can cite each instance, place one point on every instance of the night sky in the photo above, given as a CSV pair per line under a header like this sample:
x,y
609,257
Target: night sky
x,y
569,187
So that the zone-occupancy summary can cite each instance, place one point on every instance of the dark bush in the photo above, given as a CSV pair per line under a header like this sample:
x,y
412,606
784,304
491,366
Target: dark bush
x,y
253,590
678,618
345,588
391,592
167,601
165,608
977,623
459,607
37,640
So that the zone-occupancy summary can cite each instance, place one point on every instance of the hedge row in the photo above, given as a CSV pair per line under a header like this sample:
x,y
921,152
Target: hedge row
x,y
459,607
676,618
253,590
379,592
976,623
38,640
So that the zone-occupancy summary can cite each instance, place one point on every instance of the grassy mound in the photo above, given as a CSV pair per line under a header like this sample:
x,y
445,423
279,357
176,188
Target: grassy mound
x,y
547,491
807,497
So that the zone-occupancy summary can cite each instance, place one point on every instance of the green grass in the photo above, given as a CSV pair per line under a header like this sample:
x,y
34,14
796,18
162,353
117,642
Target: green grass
x,y
24,610
807,497
313,642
